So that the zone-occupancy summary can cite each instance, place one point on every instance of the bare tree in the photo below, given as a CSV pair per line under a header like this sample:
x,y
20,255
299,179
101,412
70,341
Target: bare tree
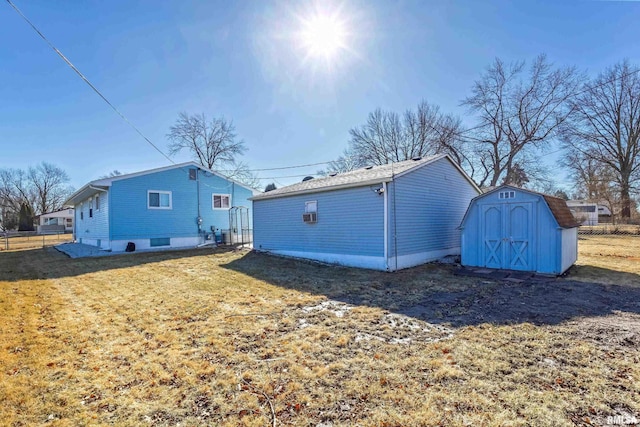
x,y
112,174
605,128
49,184
211,142
346,162
41,189
15,188
387,137
591,179
240,172
517,111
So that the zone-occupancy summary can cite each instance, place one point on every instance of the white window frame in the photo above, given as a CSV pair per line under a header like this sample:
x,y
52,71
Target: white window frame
x,y
160,192
311,206
96,201
213,201
510,194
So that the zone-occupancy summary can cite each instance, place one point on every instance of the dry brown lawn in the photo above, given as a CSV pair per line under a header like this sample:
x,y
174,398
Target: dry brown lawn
x,y
19,243
228,338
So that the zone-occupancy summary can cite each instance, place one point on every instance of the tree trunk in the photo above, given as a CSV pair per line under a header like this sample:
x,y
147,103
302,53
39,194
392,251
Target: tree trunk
x,y
625,202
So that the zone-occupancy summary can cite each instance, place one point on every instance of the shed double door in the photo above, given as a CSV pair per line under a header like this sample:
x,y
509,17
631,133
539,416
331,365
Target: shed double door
x,y
506,236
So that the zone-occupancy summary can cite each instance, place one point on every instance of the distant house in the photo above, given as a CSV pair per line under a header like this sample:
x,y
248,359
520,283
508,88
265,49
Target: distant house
x,y
588,212
516,229
56,222
381,217
174,206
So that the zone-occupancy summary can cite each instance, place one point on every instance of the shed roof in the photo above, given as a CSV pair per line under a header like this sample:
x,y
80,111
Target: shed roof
x,y
557,206
356,178
561,211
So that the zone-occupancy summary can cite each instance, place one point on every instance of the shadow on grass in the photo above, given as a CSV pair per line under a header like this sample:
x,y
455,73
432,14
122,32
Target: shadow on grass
x,y
434,294
49,263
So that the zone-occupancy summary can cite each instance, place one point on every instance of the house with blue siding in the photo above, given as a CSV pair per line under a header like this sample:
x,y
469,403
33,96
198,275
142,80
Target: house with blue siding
x,y
511,228
171,207
385,217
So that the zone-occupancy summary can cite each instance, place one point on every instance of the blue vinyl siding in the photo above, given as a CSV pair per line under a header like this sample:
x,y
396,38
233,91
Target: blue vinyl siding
x,y
350,222
97,226
546,239
132,219
427,208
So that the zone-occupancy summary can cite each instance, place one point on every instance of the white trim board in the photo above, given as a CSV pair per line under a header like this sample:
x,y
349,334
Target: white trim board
x,y
412,260
360,261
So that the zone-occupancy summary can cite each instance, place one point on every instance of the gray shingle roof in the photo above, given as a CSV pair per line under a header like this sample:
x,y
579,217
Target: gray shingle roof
x,y
355,178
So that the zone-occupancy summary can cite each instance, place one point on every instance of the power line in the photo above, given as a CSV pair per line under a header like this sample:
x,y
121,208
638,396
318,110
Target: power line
x,y
104,98
286,176
280,168
86,80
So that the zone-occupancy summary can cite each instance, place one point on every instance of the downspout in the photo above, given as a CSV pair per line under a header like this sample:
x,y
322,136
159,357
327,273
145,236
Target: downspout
x,y
386,225
110,217
395,219
198,218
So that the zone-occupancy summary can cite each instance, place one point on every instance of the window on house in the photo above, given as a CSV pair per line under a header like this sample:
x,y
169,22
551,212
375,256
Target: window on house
x,y
159,199
221,201
97,203
90,212
81,215
311,207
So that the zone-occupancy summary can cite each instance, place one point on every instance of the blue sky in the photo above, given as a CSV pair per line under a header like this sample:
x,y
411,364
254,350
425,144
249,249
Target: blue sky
x,y
244,60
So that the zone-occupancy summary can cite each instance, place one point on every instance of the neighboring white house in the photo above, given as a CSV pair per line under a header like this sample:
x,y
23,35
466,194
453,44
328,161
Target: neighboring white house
x,y
58,221
587,212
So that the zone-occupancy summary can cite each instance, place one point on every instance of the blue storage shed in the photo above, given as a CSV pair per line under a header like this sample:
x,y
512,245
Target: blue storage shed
x,y
516,229
384,217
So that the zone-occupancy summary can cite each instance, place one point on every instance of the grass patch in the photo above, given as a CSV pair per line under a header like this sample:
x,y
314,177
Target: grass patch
x,y
20,243
608,259
230,338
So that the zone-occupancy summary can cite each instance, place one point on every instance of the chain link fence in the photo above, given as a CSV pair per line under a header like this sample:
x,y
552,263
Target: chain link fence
x,y
13,241
610,229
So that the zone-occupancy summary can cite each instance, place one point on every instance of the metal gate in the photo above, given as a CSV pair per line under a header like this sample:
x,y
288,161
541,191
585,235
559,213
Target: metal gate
x,y
240,232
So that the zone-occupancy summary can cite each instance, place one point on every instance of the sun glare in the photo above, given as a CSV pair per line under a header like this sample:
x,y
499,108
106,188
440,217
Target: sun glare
x,y
323,35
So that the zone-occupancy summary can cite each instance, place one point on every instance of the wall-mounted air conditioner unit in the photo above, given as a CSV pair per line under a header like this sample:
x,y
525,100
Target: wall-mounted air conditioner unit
x,y
310,217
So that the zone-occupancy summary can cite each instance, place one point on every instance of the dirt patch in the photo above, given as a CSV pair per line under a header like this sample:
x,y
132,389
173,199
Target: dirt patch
x,y
618,331
389,328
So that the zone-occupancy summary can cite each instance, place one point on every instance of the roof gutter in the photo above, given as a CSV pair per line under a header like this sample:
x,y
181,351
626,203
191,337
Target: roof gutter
x,y
97,189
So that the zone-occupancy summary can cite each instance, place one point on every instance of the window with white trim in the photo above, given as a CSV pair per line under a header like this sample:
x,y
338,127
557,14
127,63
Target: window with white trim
x,y
157,199
97,203
220,201
507,194
311,207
